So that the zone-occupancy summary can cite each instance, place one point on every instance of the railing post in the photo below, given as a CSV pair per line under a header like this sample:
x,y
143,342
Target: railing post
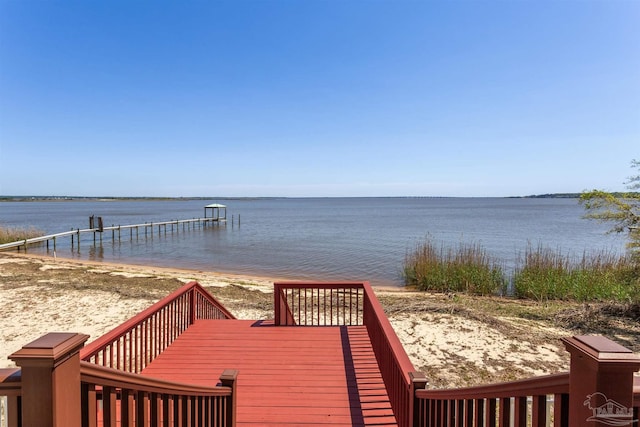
x,y
193,306
276,304
228,379
600,382
51,380
417,381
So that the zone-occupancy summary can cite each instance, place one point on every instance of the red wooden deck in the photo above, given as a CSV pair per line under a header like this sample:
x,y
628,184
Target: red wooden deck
x,y
311,376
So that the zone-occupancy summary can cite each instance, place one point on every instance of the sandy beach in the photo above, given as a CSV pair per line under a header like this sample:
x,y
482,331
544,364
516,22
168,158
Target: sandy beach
x,y
455,340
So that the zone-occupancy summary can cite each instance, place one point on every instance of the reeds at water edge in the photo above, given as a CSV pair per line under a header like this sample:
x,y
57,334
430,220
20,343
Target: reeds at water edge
x,y
13,234
540,274
466,268
544,274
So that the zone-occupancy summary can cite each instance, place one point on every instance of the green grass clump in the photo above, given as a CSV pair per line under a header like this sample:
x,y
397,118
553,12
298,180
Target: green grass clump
x,y
13,234
467,268
544,274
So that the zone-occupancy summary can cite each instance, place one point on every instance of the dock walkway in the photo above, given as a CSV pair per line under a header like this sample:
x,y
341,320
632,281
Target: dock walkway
x,y
288,375
218,216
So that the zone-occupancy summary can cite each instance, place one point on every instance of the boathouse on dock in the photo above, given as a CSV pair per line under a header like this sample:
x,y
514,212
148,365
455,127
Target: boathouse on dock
x,y
328,357
218,212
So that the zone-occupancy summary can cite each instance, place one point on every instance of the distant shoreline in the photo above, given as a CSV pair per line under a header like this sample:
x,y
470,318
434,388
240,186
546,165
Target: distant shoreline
x,y
181,199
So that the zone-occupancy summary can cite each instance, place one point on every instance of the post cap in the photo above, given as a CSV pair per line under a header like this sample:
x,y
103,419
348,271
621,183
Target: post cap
x,y
50,349
600,348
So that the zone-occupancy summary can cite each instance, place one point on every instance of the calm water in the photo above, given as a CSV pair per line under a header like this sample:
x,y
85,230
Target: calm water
x,y
324,239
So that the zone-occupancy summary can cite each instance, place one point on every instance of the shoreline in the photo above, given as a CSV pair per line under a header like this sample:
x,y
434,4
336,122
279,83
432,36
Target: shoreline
x,y
146,268
386,285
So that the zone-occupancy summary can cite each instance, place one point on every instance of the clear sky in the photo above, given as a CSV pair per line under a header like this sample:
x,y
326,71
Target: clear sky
x,y
317,98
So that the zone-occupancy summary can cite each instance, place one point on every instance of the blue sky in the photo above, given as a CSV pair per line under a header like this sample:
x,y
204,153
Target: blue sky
x,y
317,98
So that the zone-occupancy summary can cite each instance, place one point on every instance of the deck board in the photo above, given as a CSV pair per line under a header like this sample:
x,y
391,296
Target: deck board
x,y
307,376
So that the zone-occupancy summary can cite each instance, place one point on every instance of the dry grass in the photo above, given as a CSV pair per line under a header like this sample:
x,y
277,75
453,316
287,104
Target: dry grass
x,y
13,234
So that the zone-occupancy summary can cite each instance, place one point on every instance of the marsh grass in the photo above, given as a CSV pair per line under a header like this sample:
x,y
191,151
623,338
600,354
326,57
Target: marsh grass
x,y
545,274
466,268
542,274
13,234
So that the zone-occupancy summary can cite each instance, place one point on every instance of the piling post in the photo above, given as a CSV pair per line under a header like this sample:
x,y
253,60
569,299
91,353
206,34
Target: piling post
x,y
51,380
54,244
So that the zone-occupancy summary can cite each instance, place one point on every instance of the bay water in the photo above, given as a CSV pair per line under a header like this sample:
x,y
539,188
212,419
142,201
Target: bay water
x,y
328,239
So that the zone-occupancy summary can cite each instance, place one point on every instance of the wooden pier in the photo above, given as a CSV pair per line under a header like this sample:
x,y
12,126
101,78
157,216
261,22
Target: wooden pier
x,y
218,216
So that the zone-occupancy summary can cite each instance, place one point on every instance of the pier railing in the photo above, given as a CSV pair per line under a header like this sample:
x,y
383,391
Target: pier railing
x,y
353,304
147,229
133,345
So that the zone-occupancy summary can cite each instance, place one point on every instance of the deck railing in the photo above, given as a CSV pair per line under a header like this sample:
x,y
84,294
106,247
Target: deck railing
x,y
133,345
61,383
535,402
600,389
113,398
400,378
352,304
313,304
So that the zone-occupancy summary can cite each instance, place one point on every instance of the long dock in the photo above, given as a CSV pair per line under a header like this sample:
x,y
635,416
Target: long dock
x,y
146,228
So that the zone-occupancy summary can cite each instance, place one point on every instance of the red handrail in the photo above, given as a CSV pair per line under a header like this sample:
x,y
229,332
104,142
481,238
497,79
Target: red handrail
x,y
483,405
90,373
318,304
134,344
397,371
115,398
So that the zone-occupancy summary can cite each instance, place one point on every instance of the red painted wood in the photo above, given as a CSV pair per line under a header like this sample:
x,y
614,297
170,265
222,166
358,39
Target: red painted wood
x,y
287,375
